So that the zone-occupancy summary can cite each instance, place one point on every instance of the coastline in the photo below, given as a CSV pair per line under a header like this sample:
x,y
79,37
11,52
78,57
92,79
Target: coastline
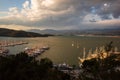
x,y
90,35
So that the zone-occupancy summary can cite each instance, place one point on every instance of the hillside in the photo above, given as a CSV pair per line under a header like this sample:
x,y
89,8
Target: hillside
x,y
23,67
103,32
15,33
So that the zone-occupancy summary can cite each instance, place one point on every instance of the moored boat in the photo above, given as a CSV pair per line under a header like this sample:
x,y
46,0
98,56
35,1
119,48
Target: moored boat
x,y
3,51
35,51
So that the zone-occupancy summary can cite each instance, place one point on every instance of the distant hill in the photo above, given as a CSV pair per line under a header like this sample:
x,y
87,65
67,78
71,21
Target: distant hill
x,y
104,32
15,33
46,31
56,32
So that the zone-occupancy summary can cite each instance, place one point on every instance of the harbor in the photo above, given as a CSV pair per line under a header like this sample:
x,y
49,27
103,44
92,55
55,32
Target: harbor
x,y
4,44
11,43
62,49
3,51
31,51
36,51
99,53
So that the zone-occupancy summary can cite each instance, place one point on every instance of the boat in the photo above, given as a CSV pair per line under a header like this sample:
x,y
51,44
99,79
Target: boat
x,y
73,43
11,43
45,47
84,56
35,51
98,53
3,51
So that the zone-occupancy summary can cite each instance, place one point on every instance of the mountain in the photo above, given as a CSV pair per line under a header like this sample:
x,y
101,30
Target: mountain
x,y
109,32
112,32
15,33
46,31
55,32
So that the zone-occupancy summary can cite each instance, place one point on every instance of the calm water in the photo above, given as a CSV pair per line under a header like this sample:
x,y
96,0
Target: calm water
x,y
61,49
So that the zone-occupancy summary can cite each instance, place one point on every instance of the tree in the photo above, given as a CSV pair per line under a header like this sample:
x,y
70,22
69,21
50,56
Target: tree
x,y
23,67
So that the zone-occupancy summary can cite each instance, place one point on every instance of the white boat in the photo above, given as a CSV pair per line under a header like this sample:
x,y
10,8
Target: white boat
x,y
98,53
45,47
4,51
35,51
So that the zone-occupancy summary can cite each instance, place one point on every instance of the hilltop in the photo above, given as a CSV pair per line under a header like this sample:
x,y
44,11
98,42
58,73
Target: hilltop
x,y
19,33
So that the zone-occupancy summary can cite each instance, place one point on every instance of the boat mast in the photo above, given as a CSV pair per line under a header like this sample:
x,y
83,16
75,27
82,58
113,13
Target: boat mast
x,y
84,53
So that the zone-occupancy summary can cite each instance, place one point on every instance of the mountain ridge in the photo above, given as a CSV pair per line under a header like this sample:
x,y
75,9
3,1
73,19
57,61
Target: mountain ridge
x,y
4,32
112,31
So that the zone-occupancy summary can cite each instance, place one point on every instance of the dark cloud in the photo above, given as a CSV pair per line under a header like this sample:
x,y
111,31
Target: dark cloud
x,y
84,6
63,13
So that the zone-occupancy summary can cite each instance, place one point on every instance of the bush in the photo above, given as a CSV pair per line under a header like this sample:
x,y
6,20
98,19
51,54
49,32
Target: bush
x,y
23,67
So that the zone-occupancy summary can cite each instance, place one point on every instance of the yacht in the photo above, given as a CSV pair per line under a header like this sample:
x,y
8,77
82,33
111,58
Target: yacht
x,y
4,51
35,51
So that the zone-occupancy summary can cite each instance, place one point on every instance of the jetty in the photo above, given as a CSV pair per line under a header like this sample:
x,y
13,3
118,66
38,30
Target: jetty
x,y
3,51
34,52
11,43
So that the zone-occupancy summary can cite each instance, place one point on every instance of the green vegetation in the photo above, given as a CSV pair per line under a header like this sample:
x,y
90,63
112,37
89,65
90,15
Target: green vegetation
x,y
23,67
102,69
13,33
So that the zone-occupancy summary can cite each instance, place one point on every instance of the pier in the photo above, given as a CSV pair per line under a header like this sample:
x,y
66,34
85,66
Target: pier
x,y
4,44
11,43
3,51
34,52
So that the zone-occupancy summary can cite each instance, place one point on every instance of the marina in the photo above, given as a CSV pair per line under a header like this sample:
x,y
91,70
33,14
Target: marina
x,y
34,52
11,43
4,44
97,53
62,49
3,51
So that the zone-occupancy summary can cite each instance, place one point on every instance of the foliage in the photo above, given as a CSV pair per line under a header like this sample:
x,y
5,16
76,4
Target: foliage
x,y
23,67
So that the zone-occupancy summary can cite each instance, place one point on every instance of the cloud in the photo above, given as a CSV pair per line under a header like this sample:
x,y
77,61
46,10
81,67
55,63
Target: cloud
x,y
26,5
3,13
61,14
16,27
90,17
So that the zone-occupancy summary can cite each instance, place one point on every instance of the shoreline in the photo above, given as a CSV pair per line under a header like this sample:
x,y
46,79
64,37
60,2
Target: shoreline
x,y
98,36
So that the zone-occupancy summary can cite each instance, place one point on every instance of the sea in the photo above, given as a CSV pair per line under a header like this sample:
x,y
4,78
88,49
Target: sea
x,y
63,49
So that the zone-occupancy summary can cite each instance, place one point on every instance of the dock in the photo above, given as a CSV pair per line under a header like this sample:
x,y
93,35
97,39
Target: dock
x,y
34,52
11,43
3,51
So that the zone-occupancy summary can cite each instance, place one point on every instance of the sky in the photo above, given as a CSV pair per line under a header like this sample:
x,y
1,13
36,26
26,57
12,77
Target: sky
x,y
59,14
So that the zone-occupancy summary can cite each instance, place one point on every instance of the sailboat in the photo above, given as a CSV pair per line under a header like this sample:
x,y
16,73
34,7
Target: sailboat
x,y
78,46
84,56
73,43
